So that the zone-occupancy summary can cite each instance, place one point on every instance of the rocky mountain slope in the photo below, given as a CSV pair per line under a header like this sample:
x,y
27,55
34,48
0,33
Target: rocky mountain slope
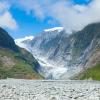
x,y
15,62
63,56
6,41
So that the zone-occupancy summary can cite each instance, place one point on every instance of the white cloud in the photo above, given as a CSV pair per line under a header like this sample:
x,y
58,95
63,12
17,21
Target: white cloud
x,y
6,18
75,17
70,15
4,6
32,7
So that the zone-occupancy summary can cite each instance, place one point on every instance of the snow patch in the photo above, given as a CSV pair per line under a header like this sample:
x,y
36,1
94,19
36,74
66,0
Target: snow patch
x,y
59,29
25,38
20,41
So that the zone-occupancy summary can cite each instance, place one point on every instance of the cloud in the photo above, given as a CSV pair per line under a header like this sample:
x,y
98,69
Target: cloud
x,y
7,21
71,16
31,7
4,6
74,16
6,18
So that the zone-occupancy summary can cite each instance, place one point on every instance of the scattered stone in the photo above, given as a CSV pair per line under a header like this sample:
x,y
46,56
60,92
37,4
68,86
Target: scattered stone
x,y
13,89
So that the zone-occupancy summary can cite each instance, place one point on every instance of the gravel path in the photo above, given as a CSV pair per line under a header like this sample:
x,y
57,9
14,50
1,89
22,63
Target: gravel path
x,y
13,89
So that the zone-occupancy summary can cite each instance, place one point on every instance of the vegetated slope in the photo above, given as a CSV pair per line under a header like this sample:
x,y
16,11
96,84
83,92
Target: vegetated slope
x,y
93,69
15,62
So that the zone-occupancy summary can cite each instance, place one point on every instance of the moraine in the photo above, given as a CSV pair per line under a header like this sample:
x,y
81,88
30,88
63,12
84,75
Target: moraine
x,y
13,89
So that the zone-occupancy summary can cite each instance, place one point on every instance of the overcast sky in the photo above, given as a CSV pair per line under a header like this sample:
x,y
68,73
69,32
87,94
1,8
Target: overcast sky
x,y
30,17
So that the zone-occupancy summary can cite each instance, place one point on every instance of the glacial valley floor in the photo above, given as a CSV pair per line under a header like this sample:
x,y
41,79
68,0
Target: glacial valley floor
x,y
15,89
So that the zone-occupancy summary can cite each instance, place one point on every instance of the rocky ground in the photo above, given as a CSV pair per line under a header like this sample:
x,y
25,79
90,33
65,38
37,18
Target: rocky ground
x,y
13,89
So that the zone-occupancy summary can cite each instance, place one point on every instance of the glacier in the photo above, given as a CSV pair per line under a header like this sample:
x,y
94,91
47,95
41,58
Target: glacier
x,y
61,55
48,70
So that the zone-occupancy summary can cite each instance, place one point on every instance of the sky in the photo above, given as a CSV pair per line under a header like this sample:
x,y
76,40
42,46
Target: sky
x,y
30,17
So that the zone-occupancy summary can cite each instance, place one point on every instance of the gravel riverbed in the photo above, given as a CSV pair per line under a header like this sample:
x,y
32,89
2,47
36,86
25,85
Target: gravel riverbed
x,y
15,89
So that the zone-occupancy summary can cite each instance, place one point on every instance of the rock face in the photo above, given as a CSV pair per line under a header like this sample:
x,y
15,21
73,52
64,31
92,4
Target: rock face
x,y
6,41
12,89
61,55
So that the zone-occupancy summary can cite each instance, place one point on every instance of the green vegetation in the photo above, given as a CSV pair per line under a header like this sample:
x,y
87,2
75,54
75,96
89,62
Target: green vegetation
x,y
19,68
16,62
93,73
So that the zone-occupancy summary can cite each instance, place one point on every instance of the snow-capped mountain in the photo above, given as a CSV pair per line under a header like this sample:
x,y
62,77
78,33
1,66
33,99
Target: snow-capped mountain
x,y
61,55
24,42
59,29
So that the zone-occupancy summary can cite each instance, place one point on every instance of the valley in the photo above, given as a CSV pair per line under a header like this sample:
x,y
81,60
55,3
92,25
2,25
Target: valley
x,y
49,49
62,55
53,54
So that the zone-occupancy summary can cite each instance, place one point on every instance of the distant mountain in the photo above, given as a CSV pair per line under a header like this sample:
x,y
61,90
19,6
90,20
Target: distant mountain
x,y
63,56
15,62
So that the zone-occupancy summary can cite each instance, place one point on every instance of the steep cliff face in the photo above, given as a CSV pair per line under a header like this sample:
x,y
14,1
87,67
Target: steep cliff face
x,y
86,47
62,55
6,41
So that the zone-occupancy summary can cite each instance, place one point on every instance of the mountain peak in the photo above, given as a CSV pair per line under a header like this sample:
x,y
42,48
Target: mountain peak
x,y
59,29
25,38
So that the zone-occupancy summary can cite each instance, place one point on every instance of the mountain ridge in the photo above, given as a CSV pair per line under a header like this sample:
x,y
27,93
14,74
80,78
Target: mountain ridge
x,y
15,62
62,50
